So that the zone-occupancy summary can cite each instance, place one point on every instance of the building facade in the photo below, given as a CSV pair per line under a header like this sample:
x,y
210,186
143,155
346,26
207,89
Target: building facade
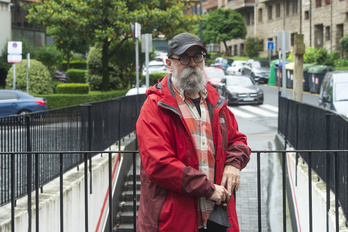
x,y
5,19
322,22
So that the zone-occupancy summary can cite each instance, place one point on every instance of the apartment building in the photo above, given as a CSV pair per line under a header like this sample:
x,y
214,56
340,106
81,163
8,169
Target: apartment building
x,y
322,22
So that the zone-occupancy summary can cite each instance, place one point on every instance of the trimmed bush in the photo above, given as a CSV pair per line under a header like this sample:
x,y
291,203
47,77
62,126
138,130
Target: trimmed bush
x,y
72,88
55,101
75,64
76,76
39,78
154,77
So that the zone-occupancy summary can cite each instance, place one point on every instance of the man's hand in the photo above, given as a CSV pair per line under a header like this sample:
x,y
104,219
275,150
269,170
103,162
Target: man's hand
x,y
231,178
220,194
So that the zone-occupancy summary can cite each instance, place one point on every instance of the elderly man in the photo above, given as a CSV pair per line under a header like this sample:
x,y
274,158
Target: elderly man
x,y
190,147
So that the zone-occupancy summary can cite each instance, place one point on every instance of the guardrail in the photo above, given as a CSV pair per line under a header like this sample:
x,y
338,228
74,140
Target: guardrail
x,y
35,170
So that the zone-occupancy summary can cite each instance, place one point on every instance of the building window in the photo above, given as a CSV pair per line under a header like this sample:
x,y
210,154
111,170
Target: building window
x,y
269,12
287,7
260,15
294,6
278,10
328,33
318,3
262,45
247,18
293,39
306,15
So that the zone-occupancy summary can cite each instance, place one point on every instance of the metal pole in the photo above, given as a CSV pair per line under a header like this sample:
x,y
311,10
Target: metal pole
x,y
284,190
28,66
137,64
29,171
201,22
14,75
283,64
147,60
134,192
259,190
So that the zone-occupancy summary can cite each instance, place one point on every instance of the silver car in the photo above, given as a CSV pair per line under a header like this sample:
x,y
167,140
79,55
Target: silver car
x,y
259,70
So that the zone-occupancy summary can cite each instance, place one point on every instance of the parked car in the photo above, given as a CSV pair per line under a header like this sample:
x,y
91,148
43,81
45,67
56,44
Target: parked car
x,y
160,56
334,92
239,90
60,76
259,70
214,75
156,67
134,91
17,102
222,62
236,67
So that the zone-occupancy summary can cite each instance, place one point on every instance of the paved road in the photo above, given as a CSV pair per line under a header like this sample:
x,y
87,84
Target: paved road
x,y
260,124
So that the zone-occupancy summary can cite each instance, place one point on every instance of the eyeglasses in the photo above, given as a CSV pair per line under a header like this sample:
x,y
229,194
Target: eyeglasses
x,y
185,59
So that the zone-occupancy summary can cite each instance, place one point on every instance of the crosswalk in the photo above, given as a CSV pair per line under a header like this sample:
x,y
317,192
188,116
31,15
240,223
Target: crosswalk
x,y
251,111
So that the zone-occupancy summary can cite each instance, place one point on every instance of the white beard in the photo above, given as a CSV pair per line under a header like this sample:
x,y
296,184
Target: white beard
x,y
190,80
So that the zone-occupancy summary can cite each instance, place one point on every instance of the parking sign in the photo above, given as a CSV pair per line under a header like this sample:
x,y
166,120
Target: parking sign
x,y
270,45
14,52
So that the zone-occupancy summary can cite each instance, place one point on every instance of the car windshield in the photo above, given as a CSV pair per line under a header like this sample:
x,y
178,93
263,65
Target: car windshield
x,y
341,91
239,81
215,73
261,64
155,66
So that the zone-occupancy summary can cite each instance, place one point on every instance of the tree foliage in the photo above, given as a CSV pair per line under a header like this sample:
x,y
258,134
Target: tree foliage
x,y
222,25
344,44
108,21
253,46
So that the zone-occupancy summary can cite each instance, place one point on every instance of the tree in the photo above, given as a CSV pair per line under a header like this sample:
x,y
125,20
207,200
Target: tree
x,y
344,44
222,25
108,21
67,41
253,46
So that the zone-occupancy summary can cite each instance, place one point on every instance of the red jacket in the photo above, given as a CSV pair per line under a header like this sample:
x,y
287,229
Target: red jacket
x,y
170,180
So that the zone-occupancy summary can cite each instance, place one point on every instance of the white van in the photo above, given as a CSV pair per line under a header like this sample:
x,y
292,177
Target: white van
x,y
334,92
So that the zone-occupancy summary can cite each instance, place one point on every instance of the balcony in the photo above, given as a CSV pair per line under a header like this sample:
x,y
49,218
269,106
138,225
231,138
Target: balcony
x,y
209,5
240,4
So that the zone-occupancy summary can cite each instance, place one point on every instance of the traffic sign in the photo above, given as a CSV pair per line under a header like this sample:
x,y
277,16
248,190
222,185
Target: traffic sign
x,y
270,45
14,52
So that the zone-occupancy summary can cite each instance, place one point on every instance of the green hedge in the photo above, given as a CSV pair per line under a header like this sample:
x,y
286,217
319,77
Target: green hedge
x,y
55,101
76,64
154,77
72,88
76,75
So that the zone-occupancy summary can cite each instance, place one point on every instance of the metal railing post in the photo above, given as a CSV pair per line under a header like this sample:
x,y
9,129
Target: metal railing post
x,y
328,170
29,170
259,191
284,190
134,192
110,193
310,191
86,191
61,203
13,176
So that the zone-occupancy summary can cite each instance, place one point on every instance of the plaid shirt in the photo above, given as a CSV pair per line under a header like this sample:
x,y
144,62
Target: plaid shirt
x,y
200,128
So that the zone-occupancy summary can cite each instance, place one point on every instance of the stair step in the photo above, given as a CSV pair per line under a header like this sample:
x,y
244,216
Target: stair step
x,y
125,228
126,218
129,185
128,206
128,195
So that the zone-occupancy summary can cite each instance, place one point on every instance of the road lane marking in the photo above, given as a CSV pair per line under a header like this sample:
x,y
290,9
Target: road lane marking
x,y
257,110
241,113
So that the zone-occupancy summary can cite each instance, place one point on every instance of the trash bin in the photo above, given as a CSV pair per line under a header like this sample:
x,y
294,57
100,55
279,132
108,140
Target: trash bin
x,y
289,75
278,71
316,76
272,73
306,76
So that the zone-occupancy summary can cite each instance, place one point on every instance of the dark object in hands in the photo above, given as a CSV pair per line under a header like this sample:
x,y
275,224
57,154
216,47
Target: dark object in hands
x,y
218,219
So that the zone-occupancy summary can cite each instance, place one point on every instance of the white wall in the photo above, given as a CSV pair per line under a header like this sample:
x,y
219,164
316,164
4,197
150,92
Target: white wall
x,y
301,200
74,200
5,19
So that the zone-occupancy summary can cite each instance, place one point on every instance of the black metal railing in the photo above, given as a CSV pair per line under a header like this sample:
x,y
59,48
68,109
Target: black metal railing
x,y
85,154
87,127
307,127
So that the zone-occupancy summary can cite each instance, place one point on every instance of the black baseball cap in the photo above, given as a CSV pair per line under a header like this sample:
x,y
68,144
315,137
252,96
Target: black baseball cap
x,y
181,42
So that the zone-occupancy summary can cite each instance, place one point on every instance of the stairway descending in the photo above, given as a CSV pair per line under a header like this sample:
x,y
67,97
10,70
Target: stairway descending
x,y
124,221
